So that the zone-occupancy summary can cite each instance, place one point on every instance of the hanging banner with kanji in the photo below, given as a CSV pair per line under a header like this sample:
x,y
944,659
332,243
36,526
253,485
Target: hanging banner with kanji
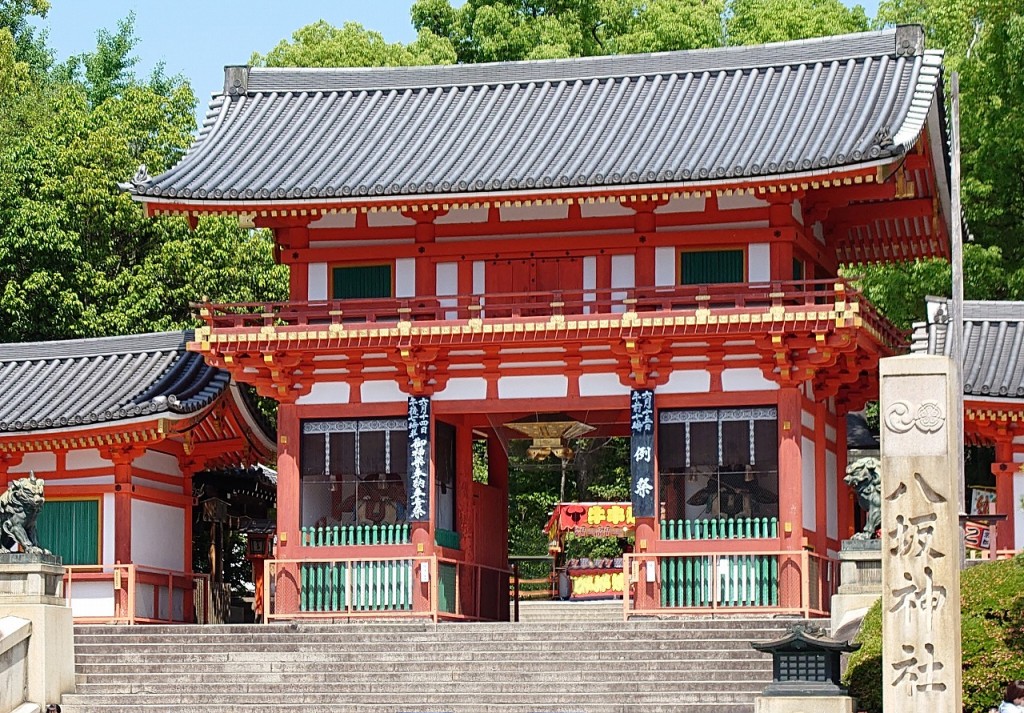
x,y
418,482
641,451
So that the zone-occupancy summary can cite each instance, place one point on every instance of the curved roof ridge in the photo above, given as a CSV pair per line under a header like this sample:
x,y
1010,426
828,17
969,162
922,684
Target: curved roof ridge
x,y
712,59
96,346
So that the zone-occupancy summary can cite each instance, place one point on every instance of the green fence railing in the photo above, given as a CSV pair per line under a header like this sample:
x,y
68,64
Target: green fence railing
x,y
446,593
448,538
720,528
742,581
356,586
341,535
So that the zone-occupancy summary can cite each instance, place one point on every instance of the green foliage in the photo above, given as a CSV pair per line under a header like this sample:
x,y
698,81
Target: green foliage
x,y
77,256
898,289
593,547
754,21
322,45
992,621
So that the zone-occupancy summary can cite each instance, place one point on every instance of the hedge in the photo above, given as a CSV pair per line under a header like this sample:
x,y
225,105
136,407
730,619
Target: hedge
x,y
992,634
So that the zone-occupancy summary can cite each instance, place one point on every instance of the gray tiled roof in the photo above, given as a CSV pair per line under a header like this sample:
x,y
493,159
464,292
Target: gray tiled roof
x,y
670,117
993,344
85,381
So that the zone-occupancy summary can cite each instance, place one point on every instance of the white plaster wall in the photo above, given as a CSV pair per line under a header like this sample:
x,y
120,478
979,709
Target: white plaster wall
x,y
759,262
91,480
807,419
158,463
374,392
92,599
316,280
1018,512
810,503
830,433
405,277
463,388
740,200
602,385
589,280
831,495
386,218
601,210
623,271
798,211
39,462
107,534
326,392
533,387
158,535
479,275
447,278
665,266
746,379
157,485
463,215
89,458
534,212
687,381
683,205
334,220
623,275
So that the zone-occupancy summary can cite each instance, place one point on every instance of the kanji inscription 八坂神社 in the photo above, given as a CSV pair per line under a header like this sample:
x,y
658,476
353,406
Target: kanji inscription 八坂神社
x,y
920,536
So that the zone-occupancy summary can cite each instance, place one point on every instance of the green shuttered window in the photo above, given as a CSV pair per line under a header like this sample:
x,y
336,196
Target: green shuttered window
x,y
71,529
361,282
705,267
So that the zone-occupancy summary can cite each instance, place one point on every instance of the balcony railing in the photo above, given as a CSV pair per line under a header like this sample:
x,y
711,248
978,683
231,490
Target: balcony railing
x,y
133,594
768,298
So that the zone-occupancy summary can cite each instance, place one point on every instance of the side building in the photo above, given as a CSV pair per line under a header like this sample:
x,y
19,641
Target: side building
x,y
993,372
118,427
638,246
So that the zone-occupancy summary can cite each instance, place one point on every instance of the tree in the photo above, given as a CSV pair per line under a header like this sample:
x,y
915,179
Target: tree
x,y
322,45
755,21
77,256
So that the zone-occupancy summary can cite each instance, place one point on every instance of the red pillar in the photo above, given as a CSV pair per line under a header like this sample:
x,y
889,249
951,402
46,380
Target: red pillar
x,y
791,531
464,513
1004,469
122,459
288,508
844,508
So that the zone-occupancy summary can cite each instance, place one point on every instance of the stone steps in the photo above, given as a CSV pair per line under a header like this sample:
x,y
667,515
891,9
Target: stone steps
x,y
687,665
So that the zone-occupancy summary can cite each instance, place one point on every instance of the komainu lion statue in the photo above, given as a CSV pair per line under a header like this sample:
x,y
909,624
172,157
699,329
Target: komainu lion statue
x,y
19,507
864,475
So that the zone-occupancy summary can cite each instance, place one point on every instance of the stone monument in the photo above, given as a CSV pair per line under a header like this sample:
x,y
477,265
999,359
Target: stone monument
x,y
30,589
921,655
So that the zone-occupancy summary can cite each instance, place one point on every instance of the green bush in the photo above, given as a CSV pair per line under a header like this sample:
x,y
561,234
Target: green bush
x,y
992,633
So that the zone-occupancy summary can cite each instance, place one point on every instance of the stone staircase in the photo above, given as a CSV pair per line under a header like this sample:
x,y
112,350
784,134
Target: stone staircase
x,y
693,665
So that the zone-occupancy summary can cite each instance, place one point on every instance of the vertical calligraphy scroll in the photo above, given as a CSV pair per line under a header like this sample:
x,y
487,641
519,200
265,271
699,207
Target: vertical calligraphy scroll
x,y
641,451
920,536
418,482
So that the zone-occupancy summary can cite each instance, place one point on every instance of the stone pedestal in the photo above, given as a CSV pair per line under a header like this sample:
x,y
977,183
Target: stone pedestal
x,y
860,577
30,588
803,704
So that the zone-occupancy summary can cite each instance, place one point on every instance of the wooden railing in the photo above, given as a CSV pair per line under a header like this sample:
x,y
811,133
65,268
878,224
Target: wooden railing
x,y
767,581
429,587
767,297
720,528
135,594
342,535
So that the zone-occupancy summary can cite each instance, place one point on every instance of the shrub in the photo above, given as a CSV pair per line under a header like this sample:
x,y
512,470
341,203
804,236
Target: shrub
x,y
992,639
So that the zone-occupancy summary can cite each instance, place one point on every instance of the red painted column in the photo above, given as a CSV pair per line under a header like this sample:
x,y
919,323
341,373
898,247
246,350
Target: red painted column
x,y
791,530
844,494
464,513
122,459
496,540
1004,469
288,508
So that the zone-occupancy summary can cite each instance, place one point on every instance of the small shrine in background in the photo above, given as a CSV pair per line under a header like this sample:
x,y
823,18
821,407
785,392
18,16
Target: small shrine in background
x,y
122,429
590,577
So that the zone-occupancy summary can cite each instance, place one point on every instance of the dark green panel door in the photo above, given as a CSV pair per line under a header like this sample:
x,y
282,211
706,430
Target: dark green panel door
x,y
705,267
361,282
71,529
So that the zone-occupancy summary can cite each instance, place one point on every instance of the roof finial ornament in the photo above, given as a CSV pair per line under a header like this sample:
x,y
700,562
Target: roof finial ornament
x,y
141,176
909,40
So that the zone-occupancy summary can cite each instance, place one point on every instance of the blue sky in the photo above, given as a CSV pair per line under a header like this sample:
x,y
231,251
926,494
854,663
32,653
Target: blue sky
x,y
197,38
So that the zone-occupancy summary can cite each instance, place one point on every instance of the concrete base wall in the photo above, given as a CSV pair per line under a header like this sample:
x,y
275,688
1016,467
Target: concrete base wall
x,y
803,704
14,633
